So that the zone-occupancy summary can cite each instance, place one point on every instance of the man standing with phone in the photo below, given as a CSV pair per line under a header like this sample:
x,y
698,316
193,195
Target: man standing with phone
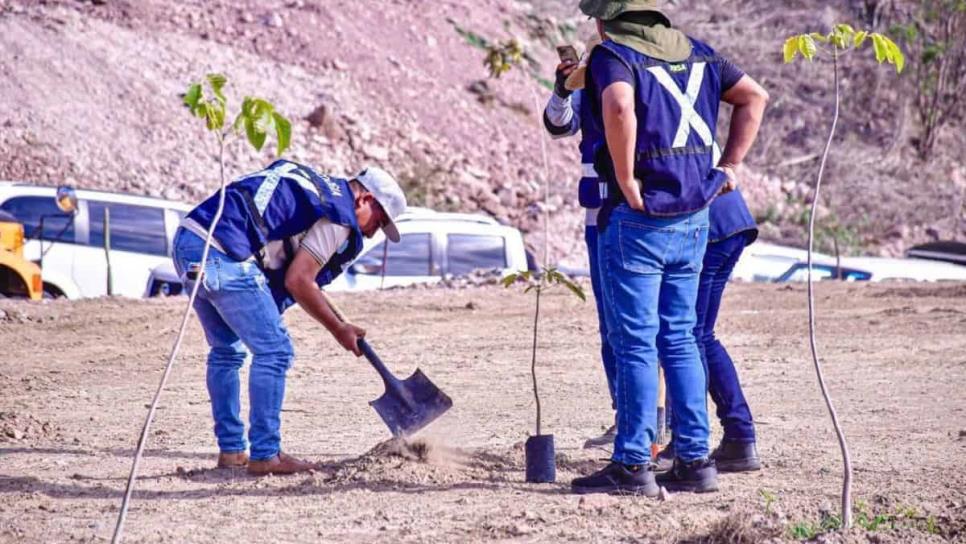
x,y
566,115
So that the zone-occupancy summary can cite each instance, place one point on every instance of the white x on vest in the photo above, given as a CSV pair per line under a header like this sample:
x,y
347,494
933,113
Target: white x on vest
x,y
689,117
270,183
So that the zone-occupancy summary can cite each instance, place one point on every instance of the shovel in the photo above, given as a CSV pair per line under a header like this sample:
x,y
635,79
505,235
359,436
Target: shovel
x,y
407,405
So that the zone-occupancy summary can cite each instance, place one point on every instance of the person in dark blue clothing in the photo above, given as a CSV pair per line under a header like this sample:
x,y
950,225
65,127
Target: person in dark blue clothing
x,y
657,92
564,116
732,229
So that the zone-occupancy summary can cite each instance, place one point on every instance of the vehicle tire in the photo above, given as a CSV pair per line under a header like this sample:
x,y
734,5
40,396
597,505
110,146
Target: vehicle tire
x,y
12,285
52,292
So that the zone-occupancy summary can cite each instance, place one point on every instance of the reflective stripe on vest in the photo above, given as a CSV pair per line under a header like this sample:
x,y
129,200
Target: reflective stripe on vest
x,y
689,117
591,139
275,204
287,170
676,105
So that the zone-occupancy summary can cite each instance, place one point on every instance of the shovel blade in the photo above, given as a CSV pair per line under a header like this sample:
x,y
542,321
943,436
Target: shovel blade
x,y
415,404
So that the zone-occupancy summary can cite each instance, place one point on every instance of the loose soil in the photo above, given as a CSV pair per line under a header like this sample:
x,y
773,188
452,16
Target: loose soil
x,y
77,377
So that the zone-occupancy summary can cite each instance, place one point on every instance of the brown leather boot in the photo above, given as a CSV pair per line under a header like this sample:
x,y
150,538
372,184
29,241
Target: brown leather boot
x,y
280,464
233,460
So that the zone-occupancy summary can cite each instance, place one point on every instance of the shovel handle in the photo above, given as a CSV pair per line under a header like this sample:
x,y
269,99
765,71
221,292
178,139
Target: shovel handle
x,y
391,381
374,360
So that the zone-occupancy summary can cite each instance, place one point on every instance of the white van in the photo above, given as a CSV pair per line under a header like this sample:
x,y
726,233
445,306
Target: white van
x,y
70,248
432,245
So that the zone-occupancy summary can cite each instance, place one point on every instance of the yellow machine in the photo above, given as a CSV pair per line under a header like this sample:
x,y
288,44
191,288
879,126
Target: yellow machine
x,y
18,276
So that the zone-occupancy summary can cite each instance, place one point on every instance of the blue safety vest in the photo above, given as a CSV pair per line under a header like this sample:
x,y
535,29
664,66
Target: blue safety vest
x,y
729,215
275,204
677,113
590,192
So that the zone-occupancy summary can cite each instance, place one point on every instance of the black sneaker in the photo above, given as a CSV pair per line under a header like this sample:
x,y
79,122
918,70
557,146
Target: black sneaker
x,y
699,476
664,459
618,478
736,457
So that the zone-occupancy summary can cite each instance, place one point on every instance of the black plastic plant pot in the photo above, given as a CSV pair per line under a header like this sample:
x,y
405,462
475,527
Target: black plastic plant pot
x,y
541,462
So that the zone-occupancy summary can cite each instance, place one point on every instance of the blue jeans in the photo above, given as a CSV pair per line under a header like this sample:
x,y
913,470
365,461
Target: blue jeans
x,y
732,408
606,353
237,310
649,270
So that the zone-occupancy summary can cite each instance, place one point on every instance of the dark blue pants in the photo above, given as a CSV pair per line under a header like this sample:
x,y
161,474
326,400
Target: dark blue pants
x,y
606,353
732,409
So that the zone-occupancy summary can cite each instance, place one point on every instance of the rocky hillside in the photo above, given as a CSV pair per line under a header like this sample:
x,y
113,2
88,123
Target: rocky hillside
x,y
91,97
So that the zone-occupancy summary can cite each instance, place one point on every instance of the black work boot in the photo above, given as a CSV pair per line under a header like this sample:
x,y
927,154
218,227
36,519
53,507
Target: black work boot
x,y
736,457
664,459
698,476
618,478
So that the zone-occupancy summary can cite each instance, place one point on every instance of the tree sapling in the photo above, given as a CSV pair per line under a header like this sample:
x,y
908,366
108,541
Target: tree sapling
x,y
842,40
256,119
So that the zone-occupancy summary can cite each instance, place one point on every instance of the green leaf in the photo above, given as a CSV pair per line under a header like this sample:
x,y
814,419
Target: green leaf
x,y
819,37
860,38
260,106
246,108
209,115
255,137
530,288
844,29
840,40
264,121
239,122
807,46
574,288
509,279
790,49
894,54
215,116
217,82
881,49
283,132
898,58
193,95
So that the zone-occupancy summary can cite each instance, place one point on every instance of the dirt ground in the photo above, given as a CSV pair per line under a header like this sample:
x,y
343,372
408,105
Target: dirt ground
x,y
76,378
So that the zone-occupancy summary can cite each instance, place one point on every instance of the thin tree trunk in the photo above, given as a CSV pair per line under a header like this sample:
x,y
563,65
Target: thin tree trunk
x,y
546,254
846,459
142,441
533,362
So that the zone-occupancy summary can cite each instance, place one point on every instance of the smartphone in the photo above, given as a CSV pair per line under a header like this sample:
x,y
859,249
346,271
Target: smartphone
x,y
567,52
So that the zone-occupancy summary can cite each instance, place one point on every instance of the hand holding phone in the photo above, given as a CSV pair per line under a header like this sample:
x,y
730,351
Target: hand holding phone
x,y
567,53
568,63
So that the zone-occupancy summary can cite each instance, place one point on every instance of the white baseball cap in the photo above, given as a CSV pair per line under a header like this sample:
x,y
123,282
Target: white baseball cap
x,y
387,193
